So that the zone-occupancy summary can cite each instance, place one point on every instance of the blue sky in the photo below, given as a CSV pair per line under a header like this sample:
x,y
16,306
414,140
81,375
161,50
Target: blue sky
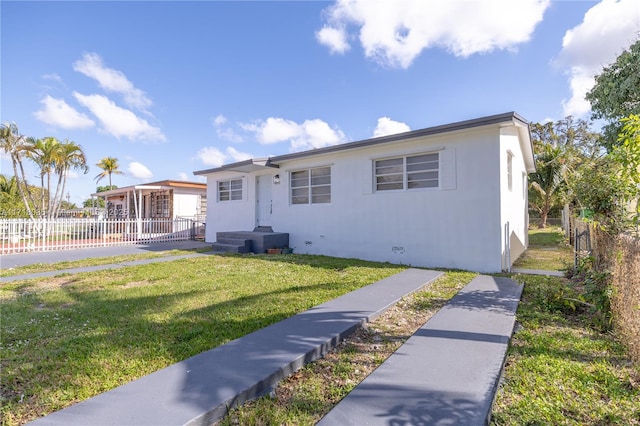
x,y
173,87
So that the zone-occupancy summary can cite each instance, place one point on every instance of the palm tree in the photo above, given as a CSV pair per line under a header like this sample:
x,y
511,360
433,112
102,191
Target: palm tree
x,y
8,187
69,156
548,181
14,144
46,154
109,166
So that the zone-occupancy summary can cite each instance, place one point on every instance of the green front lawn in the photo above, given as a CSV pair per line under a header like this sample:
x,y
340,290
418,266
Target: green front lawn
x,y
68,338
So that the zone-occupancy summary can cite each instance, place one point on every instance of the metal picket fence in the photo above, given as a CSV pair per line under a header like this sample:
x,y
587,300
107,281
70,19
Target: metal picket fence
x,y
24,235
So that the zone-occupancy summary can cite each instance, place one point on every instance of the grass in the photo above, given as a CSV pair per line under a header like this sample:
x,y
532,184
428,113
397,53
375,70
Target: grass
x,y
73,336
548,250
58,266
559,371
307,395
67,338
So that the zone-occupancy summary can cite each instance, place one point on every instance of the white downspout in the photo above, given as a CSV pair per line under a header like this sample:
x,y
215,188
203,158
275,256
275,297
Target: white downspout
x,y
507,245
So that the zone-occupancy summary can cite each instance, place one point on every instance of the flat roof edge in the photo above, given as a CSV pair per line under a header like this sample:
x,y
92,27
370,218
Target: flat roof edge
x,y
511,116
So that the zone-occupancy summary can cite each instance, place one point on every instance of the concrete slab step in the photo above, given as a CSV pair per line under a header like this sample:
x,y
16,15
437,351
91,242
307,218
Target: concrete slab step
x,y
448,372
230,248
235,241
200,389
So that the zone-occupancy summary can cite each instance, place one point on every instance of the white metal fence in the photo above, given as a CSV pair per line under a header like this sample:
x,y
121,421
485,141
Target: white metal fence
x,y
22,235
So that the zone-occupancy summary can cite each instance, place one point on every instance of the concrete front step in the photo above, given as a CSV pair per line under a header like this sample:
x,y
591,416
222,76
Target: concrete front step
x,y
201,389
259,241
231,248
235,241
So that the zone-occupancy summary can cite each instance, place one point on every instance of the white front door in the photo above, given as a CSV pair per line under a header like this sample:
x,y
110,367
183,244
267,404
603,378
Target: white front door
x,y
263,200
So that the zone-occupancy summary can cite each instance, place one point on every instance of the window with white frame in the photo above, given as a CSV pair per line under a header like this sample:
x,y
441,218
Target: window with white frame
x,y
230,190
410,172
311,186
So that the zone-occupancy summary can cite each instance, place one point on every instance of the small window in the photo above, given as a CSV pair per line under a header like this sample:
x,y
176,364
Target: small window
x,y
311,186
230,190
413,172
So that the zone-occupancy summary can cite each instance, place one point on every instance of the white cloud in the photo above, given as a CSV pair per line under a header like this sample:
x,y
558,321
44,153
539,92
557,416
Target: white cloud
x,y
230,135
236,155
139,171
387,126
52,77
118,121
225,133
394,33
183,176
308,135
58,113
112,80
334,38
212,156
273,130
607,29
219,120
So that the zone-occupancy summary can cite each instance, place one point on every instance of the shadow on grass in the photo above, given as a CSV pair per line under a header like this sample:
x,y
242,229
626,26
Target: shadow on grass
x,y
317,261
110,330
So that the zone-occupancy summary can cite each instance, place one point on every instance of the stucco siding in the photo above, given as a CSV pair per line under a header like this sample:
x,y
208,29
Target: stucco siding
x,y
185,205
513,199
460,224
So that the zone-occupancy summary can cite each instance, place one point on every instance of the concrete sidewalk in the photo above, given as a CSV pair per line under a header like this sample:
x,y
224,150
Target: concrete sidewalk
x,y
448,372
8,261
23,259
200,390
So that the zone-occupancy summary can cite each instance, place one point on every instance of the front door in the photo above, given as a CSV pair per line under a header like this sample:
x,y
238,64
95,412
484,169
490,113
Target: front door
x,y
263,200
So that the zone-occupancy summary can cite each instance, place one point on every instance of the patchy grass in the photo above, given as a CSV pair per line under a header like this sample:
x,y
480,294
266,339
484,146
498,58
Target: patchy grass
x,y
547,250
59,266
561,372
307,395
69,338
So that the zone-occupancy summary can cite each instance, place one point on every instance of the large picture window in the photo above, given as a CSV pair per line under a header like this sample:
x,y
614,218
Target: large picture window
x,y
230,190
411,172
311,186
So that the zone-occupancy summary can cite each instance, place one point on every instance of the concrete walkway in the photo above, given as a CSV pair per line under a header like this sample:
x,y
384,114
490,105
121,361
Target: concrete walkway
x,y
199,390
8,261
448,371
23,259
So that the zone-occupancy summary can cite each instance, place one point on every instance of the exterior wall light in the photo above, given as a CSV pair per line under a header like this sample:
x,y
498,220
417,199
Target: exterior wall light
x,y
276,179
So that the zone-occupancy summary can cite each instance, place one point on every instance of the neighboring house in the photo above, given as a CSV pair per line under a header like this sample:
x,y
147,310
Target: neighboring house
x,y
167,199
451,196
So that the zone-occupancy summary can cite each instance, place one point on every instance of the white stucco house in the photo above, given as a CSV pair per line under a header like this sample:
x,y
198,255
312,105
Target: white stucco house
x,y
451,196
167,199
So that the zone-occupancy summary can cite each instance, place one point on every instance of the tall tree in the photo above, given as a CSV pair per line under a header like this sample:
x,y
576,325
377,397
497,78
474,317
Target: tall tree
x,y
70,157
45,153
109,166
547,183
616,93
14,144
559,147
